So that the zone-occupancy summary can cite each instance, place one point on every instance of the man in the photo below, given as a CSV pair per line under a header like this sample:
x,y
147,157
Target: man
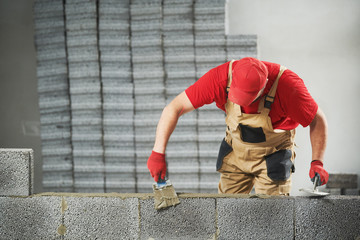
x,y
264,103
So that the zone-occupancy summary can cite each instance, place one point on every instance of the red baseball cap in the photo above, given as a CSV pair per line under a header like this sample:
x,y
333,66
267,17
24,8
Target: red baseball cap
x,y
248,78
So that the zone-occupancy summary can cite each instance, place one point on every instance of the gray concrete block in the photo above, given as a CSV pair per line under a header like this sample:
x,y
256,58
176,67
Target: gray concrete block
x,y
41,40
84,70
241,40
52,70
116,55
82,37
16,172
54,22
146,25
255,218
171,40
58,180
102,218
193,218
47,6
114,39
53,52
332,217
52,84
83,53
54,102
51,150
150,41
352,192
342,180
30,218
114,24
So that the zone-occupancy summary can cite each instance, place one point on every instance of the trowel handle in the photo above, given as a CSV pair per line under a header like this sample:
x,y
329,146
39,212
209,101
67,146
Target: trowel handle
x,y
160,181
317,180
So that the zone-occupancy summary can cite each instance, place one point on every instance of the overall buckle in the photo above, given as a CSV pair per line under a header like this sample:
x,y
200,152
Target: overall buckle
x,y
268,102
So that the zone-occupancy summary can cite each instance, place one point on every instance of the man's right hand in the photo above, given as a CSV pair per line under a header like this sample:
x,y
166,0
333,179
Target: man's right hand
x,y
157,165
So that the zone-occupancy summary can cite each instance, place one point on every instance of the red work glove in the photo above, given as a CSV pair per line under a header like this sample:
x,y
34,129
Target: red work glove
x,y
317,167
157,165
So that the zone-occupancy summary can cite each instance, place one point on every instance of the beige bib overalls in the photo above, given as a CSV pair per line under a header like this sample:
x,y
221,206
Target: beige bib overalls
x,y
253,154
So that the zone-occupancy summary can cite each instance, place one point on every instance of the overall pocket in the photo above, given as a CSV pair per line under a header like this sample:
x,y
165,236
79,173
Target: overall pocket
x,y
251,134
279,165
225,149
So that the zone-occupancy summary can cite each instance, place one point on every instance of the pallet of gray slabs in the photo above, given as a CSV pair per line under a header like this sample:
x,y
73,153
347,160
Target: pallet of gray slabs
x,y
177,17
145,129
119,147
54,97
182,154
211,128
118,103
240,46
86,106
210,52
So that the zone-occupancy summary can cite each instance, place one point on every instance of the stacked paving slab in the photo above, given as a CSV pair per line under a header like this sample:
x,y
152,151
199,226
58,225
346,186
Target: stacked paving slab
x,y
240,46
107,69
180,69
54,98
210,52
148,76
85,94
117,90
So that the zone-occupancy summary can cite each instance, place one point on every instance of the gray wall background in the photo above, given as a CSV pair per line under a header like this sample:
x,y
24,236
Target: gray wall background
x,y
318,40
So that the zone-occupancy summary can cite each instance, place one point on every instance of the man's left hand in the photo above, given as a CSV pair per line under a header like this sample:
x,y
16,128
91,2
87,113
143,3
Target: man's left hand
x,y
317,167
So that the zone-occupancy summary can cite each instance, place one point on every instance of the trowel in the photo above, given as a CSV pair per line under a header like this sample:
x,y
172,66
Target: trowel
x,y
164,194
314,191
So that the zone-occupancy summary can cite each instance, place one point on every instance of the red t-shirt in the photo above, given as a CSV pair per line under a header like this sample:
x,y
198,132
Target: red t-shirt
x,y
293,104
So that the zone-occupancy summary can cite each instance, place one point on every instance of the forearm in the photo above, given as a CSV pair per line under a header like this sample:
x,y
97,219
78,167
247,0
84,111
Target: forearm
x,y
168,120
318,135
165,127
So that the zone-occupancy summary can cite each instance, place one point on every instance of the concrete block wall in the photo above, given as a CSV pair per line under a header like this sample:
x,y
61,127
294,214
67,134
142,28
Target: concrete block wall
x,y
133,216
198,216
106,70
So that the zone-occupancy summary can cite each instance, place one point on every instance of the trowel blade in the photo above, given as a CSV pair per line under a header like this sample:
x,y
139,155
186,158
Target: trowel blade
x,y
164,195
314,193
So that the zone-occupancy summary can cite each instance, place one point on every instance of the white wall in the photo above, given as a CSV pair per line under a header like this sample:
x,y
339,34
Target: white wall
x,y
320,41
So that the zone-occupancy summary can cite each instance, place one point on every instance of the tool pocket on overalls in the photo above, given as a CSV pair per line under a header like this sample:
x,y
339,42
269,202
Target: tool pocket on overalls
x,y
279,165
225,149
251,134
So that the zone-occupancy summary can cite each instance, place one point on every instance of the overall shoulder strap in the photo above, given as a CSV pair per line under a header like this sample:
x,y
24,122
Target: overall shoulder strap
x,y
229,76
269,98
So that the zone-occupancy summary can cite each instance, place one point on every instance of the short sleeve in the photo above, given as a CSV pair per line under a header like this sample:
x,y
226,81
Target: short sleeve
x,y
208,89
296,101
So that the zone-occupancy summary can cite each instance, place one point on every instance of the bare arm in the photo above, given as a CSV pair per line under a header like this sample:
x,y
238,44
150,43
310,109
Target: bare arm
x,y
318,135
168,120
